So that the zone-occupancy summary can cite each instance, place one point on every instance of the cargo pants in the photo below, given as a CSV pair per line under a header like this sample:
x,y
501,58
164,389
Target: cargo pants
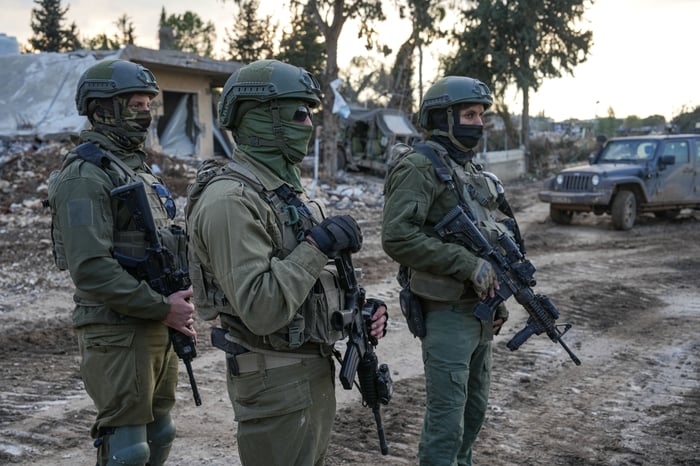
x,y
285,414
457,360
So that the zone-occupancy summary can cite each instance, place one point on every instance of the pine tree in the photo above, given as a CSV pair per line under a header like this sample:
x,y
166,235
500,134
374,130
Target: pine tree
x,y
303,45
251,38
187,32
49,35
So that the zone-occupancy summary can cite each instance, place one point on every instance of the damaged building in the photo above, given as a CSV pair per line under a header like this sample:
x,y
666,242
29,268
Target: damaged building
x,y
37,94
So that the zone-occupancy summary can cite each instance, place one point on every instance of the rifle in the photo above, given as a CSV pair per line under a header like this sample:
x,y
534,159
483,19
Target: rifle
x,y
158,267
375,385
515,276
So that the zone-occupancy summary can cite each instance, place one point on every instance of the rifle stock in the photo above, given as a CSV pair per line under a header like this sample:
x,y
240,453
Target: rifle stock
x,y
158,267
515,276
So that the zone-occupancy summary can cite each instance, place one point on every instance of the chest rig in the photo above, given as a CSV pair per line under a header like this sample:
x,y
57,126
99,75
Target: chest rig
x,y
293,217
128,240
481,191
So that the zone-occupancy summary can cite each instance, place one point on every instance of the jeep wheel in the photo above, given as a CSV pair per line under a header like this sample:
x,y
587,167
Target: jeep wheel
x,y
560,217
624,210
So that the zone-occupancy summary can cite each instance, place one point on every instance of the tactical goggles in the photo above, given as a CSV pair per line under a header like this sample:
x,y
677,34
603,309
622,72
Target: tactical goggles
x,y
301,114
166,199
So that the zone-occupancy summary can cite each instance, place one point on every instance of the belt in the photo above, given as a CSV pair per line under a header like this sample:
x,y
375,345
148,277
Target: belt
x,y
254,362
429,305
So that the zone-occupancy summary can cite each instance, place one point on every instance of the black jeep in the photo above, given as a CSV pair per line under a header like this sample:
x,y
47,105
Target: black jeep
x,y
628,176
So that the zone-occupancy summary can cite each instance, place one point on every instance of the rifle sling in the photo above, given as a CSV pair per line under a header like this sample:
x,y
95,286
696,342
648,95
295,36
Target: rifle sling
x,y
90,152
445,175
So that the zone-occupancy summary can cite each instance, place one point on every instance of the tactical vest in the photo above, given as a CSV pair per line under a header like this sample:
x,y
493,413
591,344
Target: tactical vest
x,y
312,321
483,194
127,240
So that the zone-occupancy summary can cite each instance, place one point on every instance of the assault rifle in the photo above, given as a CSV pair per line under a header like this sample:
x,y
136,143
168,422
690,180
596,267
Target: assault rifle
x,y
360,359
158,267
515,276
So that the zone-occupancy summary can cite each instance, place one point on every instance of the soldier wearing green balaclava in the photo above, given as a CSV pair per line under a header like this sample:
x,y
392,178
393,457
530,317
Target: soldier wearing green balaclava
x,y
260,254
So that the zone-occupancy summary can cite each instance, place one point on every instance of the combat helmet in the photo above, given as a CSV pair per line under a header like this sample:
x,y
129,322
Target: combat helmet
x,y
109,78
263,81
452,90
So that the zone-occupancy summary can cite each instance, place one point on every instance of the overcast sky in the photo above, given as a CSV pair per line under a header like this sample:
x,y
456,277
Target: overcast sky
x,y
643,62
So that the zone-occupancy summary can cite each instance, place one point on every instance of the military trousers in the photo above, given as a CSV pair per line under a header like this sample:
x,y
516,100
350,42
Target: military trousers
x,y
457,361
285,414
129,371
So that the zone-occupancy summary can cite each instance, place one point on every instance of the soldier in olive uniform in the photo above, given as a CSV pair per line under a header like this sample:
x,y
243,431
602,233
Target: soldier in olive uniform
x,y
447,279
259,259
127,363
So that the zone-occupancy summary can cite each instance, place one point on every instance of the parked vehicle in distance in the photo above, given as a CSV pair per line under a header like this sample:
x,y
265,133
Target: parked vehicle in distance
x,y
365,136
628,176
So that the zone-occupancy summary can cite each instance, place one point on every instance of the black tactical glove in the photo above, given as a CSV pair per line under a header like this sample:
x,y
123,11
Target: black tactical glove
x,y
336,234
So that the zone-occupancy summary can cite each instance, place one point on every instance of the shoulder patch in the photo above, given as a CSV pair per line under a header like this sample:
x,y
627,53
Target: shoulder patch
x,y
92,153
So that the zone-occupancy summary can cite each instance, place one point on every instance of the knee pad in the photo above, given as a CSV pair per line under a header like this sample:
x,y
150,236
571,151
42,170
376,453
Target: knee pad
x,y
127,446
161,434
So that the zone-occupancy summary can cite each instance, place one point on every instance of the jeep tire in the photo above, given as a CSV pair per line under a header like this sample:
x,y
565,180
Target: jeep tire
x,y
560,217
624,210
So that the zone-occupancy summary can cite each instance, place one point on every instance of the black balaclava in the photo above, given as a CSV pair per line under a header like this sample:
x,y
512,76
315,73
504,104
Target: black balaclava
x,y
458,139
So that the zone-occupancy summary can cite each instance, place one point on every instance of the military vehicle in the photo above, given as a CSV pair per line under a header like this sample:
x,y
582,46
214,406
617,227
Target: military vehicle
x,y
629,176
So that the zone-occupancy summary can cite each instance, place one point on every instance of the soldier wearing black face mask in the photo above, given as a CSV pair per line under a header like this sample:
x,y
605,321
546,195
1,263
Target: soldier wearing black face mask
x,y
447,280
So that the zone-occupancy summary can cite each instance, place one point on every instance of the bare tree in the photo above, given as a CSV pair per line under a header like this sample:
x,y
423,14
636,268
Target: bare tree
x,y
330,16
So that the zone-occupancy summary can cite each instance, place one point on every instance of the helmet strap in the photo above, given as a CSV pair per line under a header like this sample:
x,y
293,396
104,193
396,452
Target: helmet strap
x,y
277,131
450,131
117,107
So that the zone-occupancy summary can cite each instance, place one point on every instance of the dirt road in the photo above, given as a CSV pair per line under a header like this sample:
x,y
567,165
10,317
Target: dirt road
x,y
633,299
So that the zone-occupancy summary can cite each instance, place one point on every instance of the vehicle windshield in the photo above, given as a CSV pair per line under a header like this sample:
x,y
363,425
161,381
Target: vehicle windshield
x,y
628,151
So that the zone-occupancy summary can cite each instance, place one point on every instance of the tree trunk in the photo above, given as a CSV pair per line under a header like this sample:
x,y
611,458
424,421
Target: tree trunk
x,y
525,131
329,159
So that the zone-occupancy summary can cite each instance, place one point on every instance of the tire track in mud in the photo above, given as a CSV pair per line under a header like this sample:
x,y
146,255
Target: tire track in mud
x,y
634,399
633,301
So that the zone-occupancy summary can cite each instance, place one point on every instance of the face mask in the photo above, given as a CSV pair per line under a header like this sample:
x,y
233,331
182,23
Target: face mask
x,y
138,121
129,133
257,123
468,135
298,137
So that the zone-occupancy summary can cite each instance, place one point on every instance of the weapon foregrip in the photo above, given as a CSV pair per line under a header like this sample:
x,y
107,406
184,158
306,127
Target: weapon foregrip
x,y
520,338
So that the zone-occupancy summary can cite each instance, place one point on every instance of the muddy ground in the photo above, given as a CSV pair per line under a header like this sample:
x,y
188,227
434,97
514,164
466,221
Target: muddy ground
x,y
632,297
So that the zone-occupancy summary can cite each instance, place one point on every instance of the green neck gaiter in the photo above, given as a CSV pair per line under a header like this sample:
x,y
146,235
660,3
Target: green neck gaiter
x,y
282,146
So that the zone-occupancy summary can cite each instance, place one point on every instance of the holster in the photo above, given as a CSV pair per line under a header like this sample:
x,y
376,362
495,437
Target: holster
x,y
413,312
219,340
